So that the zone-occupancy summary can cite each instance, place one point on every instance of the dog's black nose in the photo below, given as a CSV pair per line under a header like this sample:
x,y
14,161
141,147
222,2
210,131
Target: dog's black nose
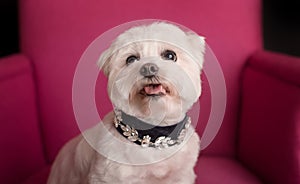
x,y
149,69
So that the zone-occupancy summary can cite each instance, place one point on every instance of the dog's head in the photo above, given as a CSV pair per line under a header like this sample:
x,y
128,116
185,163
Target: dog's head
x,y
154,72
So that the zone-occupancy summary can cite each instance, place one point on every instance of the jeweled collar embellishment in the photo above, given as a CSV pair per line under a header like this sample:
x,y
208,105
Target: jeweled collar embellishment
x,y
148,135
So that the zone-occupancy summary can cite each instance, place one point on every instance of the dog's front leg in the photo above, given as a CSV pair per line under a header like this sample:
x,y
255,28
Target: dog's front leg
x,y
72,163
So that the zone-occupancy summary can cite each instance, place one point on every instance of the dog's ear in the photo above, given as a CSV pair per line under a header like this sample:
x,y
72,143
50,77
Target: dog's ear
x,y
104,63
198,47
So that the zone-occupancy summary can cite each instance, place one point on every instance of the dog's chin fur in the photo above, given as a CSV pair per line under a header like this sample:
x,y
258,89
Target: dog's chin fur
x,y
179,87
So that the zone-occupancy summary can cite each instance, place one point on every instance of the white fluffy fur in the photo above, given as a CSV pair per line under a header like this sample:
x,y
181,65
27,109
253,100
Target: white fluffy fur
x,y
120,160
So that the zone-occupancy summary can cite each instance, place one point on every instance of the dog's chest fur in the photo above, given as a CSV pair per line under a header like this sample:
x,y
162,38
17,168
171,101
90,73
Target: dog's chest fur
x,y
171,171
85,165
175,169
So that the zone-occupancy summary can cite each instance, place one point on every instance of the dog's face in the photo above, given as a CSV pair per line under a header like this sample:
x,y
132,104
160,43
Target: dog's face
x,y
154,72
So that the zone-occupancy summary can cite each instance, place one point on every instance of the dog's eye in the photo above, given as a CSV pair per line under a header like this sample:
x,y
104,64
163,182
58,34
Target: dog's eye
x,y
169,55
131,59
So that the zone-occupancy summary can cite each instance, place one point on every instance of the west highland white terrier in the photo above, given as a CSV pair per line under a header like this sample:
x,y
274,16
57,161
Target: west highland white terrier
x,y
153,76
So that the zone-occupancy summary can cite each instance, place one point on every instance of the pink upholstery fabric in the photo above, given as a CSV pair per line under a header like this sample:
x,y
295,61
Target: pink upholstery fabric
x,y
55,33
21,149
39,177
216,170
281,66
269,133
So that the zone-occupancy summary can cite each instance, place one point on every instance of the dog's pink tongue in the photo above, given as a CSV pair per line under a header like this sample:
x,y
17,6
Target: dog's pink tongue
x,y
154,89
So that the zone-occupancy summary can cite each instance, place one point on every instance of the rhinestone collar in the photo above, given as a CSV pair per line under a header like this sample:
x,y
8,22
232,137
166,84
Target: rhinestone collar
x,y
148,135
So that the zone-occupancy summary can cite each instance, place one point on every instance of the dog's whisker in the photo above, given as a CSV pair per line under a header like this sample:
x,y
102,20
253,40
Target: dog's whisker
x,y
153,80
156,78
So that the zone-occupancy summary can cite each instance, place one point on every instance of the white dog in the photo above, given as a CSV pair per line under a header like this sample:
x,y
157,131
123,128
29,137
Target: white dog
x,y
153,80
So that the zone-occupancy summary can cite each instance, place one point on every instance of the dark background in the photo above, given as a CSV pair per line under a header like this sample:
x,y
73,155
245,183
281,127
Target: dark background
x,y
281,25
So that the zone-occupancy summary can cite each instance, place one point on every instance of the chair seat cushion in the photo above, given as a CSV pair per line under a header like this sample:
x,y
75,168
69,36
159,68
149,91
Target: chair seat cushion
x,y
215,170
209,170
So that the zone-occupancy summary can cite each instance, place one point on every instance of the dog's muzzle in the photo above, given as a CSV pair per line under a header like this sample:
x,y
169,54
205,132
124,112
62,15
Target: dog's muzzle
x,y
154,89
149,70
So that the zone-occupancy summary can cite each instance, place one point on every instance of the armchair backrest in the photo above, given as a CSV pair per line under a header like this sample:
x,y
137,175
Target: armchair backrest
x,y
55,33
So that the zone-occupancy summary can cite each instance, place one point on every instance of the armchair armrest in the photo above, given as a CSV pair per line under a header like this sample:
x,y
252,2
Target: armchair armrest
x,y
269,134
20,137
280,66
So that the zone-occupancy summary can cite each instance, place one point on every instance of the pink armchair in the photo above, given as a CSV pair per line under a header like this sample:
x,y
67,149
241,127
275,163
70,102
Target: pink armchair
x,y
259,138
